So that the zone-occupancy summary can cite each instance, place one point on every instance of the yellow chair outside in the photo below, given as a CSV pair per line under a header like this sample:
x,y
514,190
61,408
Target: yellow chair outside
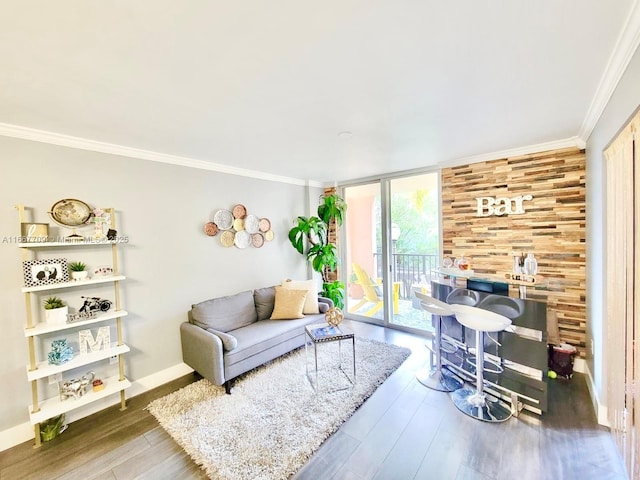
x,y
372,293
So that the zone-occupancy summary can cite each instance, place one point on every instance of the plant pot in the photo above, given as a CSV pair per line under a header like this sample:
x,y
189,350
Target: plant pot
x,y
52,428
79,275
56,315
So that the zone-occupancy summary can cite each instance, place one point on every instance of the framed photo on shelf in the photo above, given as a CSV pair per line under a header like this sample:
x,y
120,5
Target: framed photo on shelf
x,y
34,232
45,272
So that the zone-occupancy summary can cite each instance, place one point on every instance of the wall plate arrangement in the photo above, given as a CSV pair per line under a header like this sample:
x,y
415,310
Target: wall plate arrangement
x,y
237,227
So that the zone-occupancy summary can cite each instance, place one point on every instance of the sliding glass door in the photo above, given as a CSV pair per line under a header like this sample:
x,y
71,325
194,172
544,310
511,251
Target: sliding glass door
x,y
364,263
415,244
392,239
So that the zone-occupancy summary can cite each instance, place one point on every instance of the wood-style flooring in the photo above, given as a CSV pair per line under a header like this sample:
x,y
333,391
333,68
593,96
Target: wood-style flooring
x,y
403,431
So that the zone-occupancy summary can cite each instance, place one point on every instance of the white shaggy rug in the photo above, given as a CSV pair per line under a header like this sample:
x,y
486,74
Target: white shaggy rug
x,y
273,421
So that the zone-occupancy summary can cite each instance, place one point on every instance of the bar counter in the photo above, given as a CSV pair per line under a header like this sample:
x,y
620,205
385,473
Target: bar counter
x,y
521,352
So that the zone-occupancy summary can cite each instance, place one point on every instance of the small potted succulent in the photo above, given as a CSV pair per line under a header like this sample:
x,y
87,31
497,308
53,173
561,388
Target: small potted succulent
x,y
51,428
78,270
55,311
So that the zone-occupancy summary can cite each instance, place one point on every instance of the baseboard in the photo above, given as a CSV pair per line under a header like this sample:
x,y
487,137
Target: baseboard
x,y
24,432
599,409
580,365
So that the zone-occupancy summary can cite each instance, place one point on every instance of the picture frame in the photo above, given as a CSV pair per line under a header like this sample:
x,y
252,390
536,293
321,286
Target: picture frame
x,y
34,232
45,272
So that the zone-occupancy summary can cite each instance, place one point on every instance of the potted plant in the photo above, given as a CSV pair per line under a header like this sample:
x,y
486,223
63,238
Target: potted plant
x,y
78,270
50,429
55,311
313,234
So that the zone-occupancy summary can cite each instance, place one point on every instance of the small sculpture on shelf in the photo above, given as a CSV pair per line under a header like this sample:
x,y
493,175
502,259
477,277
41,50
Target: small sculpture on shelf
x,y
334,316
95,304
76,388
98,217
79,316
60,352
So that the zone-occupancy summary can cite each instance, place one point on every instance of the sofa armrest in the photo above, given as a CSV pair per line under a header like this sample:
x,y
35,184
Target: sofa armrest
x,y
203,351
326,300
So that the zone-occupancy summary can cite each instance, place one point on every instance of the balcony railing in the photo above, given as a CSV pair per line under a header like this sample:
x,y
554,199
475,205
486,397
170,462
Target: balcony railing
x,y
409,269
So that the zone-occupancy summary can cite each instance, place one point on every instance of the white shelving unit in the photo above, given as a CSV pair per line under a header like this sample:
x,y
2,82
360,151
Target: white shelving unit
x,y
39,370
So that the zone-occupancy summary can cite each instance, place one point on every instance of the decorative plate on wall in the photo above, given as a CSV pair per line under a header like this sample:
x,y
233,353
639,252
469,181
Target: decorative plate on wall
x,y
238,224
226,238
239,211
224,219
268,236
211,229
243,239
264,225
257,240
251,224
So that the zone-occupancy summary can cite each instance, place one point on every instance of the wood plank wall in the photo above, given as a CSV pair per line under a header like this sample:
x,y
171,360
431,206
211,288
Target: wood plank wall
x,y
333,236
553,227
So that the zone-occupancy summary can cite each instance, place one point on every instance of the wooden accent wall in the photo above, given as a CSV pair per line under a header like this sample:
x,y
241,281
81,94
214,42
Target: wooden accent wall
x,y
553,227
332,234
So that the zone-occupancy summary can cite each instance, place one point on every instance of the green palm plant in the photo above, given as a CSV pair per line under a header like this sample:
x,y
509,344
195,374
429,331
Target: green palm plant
x,y
312,234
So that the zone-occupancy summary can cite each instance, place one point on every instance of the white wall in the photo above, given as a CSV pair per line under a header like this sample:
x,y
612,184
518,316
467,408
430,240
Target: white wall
x,y
622,104
169,262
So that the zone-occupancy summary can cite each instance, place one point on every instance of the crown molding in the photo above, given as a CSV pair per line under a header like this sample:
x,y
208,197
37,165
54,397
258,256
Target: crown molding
x,y
42,136
571,142
623,52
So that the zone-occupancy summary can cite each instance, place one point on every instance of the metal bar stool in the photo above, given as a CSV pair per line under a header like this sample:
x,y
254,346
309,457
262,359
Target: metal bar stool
x,y
435,376
473,401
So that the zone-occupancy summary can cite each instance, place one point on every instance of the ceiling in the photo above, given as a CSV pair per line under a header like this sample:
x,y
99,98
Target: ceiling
x,y
268,88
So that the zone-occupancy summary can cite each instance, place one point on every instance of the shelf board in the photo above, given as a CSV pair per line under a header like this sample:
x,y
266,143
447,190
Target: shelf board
x,y
42,328
73,283
52,407
43,369
66,244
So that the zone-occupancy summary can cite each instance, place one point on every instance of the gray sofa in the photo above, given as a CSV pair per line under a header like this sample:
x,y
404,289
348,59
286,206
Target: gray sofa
x,y
228,336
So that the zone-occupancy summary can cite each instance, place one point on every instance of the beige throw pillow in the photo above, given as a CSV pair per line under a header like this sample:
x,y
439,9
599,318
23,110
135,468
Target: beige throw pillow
x,y
311,302
288,304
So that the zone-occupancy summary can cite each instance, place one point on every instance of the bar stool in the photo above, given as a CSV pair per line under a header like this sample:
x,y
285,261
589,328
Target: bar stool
x,y
436,377
473,401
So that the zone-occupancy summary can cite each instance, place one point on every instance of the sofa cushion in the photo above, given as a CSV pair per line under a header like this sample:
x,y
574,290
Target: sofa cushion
x,y
229,342
264,298
260,336
311,301
225,313
288,304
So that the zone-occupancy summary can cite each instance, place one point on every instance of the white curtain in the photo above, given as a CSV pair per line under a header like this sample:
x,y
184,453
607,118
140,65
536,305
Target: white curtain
x,y
622,276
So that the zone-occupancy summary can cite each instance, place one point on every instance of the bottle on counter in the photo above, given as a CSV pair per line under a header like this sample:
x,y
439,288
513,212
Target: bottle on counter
x,y
463,263
530,265
517,269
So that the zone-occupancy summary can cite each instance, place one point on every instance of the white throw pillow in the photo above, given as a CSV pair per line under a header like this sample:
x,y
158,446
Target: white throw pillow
x,y
311,302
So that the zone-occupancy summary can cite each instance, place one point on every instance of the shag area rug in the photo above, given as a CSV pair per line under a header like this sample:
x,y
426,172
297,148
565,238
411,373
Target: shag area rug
x,y
273,421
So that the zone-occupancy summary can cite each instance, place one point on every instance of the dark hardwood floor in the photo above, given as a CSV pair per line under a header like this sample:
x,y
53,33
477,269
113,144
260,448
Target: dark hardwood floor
x,y
403,431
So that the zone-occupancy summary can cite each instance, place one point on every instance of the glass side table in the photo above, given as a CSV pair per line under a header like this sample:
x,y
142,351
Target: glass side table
x,y
324,333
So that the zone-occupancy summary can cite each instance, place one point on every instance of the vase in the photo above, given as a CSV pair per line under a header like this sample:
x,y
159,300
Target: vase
x,y
56,315
79,275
